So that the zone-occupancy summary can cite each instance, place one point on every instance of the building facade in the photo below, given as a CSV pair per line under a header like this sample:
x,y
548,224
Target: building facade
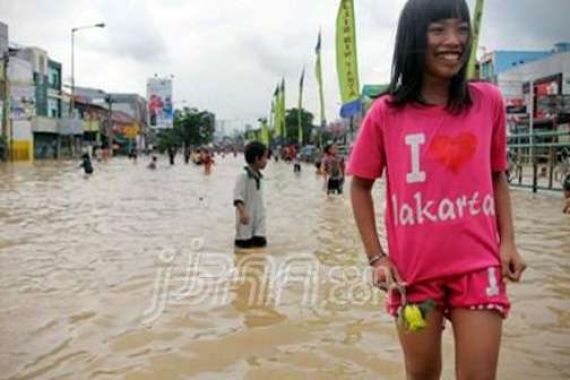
x,y
3,91
135,134
497,62
537,97
22,108
3,38
54,90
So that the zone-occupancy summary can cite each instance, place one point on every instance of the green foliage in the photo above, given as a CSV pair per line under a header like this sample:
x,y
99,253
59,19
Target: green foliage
x,y
169,139
192,127
292,123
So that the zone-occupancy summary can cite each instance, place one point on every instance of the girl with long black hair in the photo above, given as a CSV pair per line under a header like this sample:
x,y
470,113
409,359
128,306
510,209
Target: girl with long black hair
x,y
440,142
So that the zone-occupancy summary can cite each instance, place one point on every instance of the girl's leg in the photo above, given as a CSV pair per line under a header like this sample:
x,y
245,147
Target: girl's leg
x,y
422,349
477,342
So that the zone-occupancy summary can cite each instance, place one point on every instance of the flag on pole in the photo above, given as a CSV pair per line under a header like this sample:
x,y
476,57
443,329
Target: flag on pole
x,y
346,59
477,16
319,76
272,116
300,130
282,110
277,110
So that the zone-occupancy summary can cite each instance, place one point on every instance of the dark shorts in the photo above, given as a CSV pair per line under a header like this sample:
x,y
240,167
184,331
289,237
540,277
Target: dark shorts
x,y
297,167
254,242
335,185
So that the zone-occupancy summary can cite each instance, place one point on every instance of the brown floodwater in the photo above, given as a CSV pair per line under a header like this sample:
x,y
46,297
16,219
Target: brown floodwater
x,y
130,274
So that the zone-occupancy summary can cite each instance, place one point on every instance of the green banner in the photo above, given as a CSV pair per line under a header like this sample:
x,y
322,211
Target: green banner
x,y
477,17
300,114
346,58
264,132
282,110
272,116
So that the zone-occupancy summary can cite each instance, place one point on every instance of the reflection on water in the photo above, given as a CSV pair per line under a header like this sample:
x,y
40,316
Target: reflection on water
x,y
131,274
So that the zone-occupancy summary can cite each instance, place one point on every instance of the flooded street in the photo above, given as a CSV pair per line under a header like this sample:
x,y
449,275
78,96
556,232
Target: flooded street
x,y
131,274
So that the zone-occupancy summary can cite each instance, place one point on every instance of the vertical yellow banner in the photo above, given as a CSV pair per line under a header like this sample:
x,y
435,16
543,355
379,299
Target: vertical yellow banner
x,y
477,17
346,57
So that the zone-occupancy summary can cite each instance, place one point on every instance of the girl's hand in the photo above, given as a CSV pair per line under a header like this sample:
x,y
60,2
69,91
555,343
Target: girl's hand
x,y
385,275
511,262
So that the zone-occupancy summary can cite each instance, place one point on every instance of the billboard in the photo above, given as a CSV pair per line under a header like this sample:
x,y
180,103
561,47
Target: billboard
x,y
160,109
22,89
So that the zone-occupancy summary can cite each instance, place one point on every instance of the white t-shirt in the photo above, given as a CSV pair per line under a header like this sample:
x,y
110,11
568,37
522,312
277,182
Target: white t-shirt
x,y
249,190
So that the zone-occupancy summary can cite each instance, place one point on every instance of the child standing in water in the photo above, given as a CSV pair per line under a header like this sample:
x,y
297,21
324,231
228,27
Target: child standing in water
x,y
86,164
208,161
152,164
441,142
333,169
248,199
566,188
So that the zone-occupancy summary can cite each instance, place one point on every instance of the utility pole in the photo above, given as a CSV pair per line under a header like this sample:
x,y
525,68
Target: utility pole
x,y
73,31
109,100
72,99
5,101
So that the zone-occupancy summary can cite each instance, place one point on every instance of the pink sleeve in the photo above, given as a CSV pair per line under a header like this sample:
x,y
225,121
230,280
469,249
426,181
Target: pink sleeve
x,y
499,140
367,156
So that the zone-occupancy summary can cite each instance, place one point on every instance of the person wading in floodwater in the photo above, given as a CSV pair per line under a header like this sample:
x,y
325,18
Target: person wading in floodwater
x,y
171,154
441,143
86,164
248,199
566,188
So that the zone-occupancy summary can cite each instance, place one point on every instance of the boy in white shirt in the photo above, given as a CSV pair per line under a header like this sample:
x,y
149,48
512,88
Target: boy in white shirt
x,y
248,199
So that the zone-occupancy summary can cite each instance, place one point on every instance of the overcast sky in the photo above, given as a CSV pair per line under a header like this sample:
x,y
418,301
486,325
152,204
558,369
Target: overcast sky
x,y
227,55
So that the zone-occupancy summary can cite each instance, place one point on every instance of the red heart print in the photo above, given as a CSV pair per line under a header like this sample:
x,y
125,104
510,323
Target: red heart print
x,y
454,152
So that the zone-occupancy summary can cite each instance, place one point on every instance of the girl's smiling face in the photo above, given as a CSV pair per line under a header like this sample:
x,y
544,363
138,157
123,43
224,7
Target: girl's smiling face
x,y
446,46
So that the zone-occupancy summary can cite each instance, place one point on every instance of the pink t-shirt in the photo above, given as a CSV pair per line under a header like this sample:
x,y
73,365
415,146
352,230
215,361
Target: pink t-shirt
x,y
440,207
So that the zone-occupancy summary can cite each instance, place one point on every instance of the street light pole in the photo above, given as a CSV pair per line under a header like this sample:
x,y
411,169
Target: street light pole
x,y
72,100
109,100
5,94
73,31
5,107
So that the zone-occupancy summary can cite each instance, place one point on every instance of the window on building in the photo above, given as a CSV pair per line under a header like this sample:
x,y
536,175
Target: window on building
x,y
53,108
54,79
42,65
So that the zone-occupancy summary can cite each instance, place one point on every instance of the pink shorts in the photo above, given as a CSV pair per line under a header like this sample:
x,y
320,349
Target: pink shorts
x,y
479,290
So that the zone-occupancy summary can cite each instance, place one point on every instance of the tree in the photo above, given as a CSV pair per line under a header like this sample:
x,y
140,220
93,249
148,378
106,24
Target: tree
x,y
192,127
292,124
168,139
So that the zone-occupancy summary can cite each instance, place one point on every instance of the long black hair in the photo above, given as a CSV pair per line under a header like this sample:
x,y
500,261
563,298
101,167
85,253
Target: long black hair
x,y
409,60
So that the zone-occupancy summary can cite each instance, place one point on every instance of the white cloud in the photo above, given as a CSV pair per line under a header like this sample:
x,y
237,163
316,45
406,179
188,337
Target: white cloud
x,y
227,55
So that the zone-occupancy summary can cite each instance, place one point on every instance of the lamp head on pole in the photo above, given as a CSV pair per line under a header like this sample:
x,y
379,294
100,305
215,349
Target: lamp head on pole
x,y
99,25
